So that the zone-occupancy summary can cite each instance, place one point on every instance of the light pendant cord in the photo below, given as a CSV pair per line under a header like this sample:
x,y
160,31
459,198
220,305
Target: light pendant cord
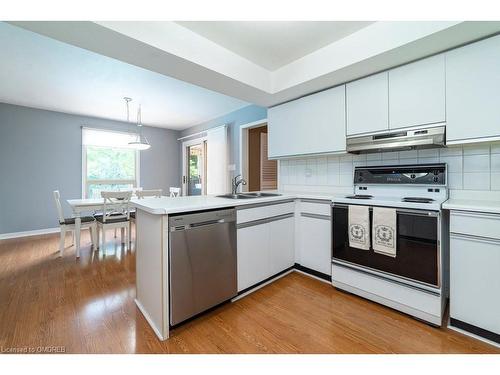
x,y
139,122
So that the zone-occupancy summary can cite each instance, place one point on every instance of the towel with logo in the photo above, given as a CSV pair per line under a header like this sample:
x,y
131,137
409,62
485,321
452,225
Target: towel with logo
x,y
359,227
384,231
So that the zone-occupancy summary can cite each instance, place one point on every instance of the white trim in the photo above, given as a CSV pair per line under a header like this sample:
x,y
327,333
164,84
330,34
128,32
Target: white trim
x,y
243,147
29,233
202,133
466,333
110,130
467,141
137,180
184,146
254,124
84,167
149,320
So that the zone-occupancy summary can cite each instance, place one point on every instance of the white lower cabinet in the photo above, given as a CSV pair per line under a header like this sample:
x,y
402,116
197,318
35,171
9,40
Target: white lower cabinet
x,y
315,243
253,255
474,274
265,248
281,243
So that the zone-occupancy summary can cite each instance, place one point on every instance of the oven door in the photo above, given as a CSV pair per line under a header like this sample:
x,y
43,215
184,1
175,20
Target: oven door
x,y
418,254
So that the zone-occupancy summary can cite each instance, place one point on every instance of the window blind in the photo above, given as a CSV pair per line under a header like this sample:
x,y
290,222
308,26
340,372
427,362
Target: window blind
x,y
106,138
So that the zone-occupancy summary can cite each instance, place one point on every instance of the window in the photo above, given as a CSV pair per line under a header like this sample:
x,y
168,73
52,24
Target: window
x,y
108,162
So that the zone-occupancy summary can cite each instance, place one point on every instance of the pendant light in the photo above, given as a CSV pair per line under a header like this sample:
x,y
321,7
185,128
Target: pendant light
x,y
140,142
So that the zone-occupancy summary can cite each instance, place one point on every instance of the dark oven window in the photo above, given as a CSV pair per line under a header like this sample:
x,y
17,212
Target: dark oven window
x,y
417,247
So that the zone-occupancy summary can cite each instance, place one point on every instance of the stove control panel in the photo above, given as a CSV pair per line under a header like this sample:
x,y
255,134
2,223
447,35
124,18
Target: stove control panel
x,y
424,174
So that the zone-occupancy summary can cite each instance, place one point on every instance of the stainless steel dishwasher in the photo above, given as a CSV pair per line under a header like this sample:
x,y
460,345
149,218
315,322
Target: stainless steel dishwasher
x,y
202,262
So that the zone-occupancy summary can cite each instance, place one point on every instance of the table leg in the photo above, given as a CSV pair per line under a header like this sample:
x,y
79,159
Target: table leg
x,y
78,223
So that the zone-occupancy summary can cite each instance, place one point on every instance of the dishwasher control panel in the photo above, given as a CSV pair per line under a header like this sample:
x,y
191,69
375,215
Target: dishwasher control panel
x,y
185,221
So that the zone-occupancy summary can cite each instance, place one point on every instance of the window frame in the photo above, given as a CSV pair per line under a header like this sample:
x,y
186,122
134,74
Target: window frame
x,y
135,182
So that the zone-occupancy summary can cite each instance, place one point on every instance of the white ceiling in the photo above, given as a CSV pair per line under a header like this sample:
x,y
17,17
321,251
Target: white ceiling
x,y
40,72
273,44
225,57
173,50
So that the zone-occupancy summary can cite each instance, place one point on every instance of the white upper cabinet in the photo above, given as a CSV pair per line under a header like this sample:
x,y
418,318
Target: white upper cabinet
x,y
417,93
473,91
368,104
311,125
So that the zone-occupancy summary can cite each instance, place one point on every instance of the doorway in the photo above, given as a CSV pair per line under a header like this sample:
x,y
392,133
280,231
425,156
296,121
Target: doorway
x,y
261,173
194,167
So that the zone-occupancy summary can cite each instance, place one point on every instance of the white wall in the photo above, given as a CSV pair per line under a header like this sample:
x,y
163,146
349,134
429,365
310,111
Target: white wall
x,y
471,167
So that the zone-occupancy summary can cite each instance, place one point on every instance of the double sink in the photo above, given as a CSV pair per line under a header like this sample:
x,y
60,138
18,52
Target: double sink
x,y
248,195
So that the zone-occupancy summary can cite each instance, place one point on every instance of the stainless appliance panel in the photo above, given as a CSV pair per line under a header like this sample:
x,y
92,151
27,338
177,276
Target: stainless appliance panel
x,y
398,140
202,263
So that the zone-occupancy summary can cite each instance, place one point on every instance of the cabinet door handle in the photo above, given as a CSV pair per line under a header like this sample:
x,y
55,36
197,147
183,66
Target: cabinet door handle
x,y
315,216
264,221
470,237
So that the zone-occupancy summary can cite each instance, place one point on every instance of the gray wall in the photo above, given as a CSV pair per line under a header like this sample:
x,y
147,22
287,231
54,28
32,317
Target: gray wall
x,y
41,151
234,119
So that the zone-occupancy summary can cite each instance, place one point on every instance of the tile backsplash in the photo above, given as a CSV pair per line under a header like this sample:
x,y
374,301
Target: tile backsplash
x,y
470,167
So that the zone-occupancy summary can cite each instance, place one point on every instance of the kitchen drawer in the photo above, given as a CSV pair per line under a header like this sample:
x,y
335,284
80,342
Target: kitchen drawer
x,y
244,215
316,207
475,224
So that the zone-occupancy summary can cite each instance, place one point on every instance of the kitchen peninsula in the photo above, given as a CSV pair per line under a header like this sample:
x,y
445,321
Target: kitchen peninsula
x,y
254,218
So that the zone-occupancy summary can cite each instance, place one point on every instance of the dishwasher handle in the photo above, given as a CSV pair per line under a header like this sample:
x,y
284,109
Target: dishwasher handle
x,y
206,223
201,219
197,225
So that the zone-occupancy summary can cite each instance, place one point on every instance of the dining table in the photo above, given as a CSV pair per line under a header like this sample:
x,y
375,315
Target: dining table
x,y
85,205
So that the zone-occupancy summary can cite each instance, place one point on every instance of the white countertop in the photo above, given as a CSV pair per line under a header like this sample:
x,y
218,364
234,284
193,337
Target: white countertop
x,y
167,205
489,206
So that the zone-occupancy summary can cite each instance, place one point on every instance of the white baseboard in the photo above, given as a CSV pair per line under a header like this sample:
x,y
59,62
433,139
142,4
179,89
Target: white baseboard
x,y
29,233
150,321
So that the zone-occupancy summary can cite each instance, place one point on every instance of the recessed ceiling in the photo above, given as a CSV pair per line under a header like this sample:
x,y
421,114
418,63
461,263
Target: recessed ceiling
x,y
176,51
273,44
40,72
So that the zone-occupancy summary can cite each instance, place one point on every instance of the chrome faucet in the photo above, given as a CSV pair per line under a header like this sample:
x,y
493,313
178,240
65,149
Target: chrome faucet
x,y
235,182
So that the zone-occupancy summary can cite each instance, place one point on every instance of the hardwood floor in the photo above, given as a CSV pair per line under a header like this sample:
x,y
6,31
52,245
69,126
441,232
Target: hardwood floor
x,y
87,306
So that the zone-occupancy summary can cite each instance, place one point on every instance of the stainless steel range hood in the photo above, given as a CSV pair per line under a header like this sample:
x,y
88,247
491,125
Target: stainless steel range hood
x,y
398,140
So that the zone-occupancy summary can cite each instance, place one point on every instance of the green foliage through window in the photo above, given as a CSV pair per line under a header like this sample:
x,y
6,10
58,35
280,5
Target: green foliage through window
x,y
105,163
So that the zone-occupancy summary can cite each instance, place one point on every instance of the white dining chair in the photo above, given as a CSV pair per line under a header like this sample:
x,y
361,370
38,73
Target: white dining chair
x,y
149,193
134,190
115,215
175,191
68,224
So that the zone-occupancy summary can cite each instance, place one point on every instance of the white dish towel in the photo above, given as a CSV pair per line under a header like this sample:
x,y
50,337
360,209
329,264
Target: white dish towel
x,y
384,231
359,227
